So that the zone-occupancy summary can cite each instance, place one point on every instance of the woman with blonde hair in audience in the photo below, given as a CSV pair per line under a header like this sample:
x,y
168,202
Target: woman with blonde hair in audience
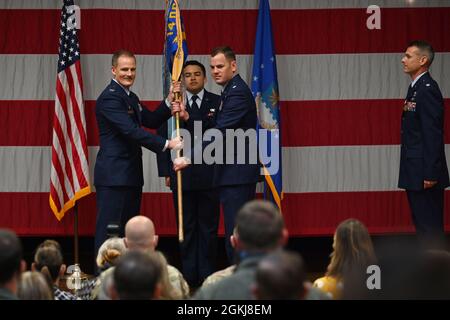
x,y
109,251
352,253
108,254
34,286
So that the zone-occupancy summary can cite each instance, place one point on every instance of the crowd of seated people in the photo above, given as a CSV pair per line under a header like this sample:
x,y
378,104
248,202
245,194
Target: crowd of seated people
x,y
131,268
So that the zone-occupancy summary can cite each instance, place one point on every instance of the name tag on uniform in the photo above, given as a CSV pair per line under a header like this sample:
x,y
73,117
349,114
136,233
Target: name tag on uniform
x,y
409,106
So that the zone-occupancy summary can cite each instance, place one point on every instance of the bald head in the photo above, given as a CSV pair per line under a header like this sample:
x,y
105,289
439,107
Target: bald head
x,y
140,234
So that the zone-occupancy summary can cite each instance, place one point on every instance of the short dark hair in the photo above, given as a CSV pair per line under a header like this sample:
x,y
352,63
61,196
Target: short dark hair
x,y
195,63
259,225
425,48
136,275
121,53
281,276
10,255
227,52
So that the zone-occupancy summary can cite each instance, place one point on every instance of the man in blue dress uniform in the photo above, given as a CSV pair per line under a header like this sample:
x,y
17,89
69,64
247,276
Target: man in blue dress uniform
x,y
118,173
423,167
201,208
237,175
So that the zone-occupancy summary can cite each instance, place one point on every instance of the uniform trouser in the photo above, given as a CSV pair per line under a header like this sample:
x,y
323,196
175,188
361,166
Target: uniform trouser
x,y
117,205
201,210
232,199
427,209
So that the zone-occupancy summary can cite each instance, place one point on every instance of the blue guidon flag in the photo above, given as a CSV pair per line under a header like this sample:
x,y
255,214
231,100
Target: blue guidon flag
x,y
175,50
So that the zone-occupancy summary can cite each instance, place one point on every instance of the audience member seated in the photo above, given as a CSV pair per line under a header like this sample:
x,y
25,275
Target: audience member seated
x,y
48,259
137,277
140,236
352,253
280,276
107,256
11,264
34,286
109,251
259,231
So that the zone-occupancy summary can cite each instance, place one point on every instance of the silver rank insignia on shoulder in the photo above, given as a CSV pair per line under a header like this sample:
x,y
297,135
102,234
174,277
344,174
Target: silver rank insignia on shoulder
x,y
233,87
112,90
428,85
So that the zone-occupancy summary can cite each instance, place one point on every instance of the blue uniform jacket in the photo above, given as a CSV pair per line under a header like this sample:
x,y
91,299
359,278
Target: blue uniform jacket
x,y
422,137
119,119
237,111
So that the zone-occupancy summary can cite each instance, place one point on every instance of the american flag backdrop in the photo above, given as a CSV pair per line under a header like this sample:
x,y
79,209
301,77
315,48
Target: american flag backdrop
x,y
341,88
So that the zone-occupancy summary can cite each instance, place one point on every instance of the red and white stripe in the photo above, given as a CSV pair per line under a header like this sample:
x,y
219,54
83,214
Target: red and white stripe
x,y
69,174
341,90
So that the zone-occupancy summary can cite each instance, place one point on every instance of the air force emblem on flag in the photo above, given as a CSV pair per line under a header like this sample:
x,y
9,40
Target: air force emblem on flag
x,y
267,108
